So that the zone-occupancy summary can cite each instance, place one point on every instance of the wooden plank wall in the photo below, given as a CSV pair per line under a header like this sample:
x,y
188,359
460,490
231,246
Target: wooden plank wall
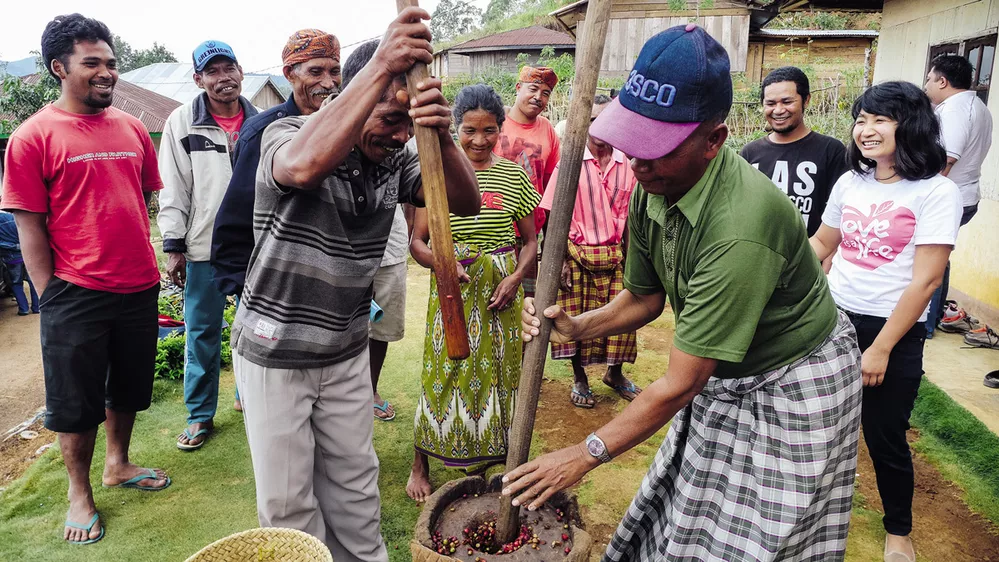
x,y
625,37
829,57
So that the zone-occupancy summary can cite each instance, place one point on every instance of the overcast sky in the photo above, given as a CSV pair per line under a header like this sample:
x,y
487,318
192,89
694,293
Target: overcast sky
x,y
257,30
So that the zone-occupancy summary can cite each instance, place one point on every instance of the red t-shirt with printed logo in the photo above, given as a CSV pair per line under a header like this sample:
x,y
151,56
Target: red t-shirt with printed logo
x,y
231,126
88,173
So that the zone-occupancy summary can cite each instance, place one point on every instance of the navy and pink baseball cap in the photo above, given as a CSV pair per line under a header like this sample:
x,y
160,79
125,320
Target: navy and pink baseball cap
x,y
681,79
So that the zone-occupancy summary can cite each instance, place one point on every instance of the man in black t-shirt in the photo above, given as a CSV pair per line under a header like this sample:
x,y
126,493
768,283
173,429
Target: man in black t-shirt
x,y
802,163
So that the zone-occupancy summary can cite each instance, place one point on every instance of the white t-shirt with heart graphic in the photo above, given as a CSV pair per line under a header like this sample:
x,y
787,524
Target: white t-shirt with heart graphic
x,y
881,225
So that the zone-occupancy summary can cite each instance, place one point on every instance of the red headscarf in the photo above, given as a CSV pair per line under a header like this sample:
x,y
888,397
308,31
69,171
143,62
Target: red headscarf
x,y
539,75
308,44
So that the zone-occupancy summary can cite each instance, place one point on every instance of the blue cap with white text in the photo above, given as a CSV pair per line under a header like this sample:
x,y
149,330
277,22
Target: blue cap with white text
x,y
208,50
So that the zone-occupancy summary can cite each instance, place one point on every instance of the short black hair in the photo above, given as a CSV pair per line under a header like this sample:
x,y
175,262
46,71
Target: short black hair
x,y
357,60
478,96
918,152
788,74
601,99
63,32
955,68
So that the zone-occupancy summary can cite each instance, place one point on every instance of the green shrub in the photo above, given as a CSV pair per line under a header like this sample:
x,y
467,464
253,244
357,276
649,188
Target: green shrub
x,y
170,358
229,314
172,305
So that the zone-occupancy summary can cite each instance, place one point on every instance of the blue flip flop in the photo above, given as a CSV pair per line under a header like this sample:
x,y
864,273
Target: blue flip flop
x,y
585,396
384,407
191,437
620,389
134,482
87,528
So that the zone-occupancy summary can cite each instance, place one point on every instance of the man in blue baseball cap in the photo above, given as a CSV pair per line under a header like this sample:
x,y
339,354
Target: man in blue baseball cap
x,y
195,159
764,372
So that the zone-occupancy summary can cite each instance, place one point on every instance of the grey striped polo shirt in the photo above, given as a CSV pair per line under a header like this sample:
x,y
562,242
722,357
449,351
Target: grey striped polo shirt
x,y
309,282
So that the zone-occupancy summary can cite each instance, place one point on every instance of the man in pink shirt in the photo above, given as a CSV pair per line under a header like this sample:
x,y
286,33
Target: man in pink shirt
x,y
593,272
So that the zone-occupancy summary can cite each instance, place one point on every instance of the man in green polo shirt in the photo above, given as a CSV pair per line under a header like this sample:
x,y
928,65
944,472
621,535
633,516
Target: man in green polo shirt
x,y
764,373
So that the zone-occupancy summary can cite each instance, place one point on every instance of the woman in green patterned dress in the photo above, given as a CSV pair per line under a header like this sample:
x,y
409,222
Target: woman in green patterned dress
x,y
466,407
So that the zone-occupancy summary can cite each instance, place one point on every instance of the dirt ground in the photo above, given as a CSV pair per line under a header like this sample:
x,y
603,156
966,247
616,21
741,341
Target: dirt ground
x,y
944,528
22,390
17,454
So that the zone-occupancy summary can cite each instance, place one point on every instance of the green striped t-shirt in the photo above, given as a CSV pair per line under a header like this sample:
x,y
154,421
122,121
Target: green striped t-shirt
x,y
507,196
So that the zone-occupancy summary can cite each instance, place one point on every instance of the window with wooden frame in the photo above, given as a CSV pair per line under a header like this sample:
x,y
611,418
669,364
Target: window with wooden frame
x,y
980,51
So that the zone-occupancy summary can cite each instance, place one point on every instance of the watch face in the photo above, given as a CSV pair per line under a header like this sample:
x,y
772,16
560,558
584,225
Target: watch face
x,y
595,447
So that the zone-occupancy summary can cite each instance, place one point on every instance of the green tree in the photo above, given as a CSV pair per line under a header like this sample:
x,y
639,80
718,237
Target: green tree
x,y
20,100
453,18
130,58
498,10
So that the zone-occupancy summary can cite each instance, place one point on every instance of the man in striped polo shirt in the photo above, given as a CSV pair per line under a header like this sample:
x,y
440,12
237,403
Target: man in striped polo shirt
x,y
593,271
326,192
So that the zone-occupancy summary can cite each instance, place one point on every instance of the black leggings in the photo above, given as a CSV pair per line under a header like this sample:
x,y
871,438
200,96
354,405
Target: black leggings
x,y
885,419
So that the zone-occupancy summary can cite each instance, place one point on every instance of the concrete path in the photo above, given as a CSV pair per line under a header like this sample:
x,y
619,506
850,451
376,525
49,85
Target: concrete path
x,y
959,369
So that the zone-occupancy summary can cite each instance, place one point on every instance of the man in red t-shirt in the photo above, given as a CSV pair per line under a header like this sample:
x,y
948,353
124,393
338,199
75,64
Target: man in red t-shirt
x,y
79,175
529,139
196,162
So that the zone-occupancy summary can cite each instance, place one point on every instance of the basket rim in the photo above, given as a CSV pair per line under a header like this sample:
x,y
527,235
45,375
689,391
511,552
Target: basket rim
x,y
264,532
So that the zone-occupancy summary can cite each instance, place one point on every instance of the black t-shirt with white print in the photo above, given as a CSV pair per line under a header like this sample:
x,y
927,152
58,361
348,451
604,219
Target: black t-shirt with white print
x,y
805,170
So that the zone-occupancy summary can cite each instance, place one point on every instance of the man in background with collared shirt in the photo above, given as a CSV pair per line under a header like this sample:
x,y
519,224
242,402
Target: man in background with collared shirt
x,y
966,132
593,270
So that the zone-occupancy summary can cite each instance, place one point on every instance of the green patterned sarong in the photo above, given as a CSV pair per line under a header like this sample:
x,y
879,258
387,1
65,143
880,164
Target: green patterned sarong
x,y
466,407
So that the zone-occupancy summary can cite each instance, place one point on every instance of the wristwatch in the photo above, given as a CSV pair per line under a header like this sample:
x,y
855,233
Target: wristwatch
x,y
596,447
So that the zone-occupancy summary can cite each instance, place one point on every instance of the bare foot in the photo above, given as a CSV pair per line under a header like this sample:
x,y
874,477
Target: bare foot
x,y
621,385
116,474
237,405
582,396
899,549
81,510
419,487
388,413
193,429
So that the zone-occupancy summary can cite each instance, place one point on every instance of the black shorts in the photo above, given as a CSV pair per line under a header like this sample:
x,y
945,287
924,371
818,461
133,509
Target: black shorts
x,y
98,351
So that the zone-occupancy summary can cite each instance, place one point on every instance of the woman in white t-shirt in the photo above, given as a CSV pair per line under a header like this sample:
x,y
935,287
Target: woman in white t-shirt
x,y
892,222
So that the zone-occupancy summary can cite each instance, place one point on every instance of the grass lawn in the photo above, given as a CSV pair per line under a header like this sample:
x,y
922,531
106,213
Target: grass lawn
x,y
213,493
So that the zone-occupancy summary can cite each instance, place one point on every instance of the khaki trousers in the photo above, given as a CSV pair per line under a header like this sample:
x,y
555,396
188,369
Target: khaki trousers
x,y
313,461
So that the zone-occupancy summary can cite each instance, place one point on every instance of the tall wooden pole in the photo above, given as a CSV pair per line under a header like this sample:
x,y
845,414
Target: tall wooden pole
x,y
438,217
589,52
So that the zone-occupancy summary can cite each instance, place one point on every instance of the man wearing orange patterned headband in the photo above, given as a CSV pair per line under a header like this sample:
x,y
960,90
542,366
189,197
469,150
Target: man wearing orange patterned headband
x,y
529,139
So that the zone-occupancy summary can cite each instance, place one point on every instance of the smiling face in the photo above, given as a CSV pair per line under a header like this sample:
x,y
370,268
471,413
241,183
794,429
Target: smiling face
x,y
388,128
312,82
875,137
477,134
90,74
221,79
532,99
783,107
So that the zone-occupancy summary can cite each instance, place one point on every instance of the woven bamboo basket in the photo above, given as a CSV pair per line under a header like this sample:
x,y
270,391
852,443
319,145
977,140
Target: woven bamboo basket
x,y
265,545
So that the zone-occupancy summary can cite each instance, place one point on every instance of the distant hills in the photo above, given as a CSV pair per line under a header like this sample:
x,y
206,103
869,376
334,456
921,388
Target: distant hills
x,y
21,67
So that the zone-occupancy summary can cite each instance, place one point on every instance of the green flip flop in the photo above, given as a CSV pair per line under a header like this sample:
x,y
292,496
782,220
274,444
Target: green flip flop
x,y
384,408
191,437
134,482
87,528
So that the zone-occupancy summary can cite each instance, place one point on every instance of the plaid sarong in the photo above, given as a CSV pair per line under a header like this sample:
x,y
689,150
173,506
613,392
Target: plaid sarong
x,y
597,277
755,469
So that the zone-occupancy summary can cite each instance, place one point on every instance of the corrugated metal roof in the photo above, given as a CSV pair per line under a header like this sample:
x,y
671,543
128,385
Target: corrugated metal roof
x,y
145,105
148,106
817,33
535,36
173,80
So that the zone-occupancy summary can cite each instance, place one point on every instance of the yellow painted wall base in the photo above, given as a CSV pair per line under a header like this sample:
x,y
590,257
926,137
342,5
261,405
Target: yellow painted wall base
x,y
974,267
